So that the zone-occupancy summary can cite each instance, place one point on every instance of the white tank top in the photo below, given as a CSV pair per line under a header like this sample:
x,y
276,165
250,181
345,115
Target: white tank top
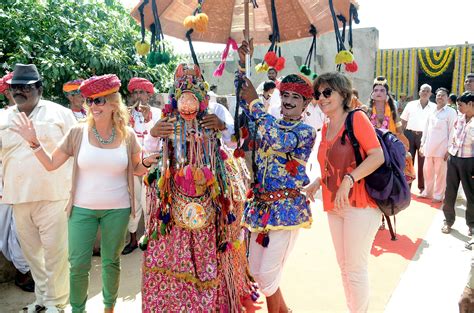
x,y
102,177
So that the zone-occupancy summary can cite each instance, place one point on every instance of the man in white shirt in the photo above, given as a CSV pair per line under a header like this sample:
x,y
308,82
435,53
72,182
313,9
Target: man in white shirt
x,y
38,197
142,119
437,136
414,119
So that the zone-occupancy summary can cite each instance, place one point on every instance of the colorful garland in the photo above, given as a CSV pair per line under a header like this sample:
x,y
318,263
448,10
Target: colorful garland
x,y
413,72
406,58
400,72
434,69
384,65
378,65
395,71
389,67
469,60
463,68
454,86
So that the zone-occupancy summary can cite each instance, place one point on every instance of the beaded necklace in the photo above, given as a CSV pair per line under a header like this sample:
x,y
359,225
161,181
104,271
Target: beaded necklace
x,y
102,140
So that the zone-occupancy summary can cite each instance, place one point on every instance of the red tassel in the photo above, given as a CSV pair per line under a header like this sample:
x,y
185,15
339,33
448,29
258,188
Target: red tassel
x,y
271,58
351,67
259,239
249,194
280,64
265,219
291,167
223,154
251,144
244,132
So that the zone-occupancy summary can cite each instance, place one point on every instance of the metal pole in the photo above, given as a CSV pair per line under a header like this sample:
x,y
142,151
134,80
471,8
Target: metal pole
x,y
247,36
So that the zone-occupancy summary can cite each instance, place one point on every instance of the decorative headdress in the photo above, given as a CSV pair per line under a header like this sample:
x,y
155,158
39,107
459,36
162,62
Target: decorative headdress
x,y
382,81
100,86
72,85
297,83
3,82
188,78
141,84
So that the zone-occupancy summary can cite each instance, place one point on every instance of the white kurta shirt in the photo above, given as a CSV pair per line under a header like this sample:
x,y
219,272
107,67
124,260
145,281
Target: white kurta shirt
x,y
438,132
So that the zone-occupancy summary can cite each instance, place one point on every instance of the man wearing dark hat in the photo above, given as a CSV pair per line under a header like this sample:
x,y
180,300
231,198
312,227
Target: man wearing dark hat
x,y
9,243
38,197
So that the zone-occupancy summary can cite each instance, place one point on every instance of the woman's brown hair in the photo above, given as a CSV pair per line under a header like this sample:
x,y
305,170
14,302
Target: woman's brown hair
x,y
337,82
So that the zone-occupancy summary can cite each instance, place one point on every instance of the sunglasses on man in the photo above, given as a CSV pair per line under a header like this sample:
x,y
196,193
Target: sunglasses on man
x,y
326,93
22,87
97,101
73,93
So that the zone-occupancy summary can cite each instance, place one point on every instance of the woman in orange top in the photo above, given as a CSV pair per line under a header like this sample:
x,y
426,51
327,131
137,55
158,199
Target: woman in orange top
x,y
352,214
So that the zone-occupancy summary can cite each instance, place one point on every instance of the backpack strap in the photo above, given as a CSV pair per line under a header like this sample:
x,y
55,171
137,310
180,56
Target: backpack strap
x,y
349,130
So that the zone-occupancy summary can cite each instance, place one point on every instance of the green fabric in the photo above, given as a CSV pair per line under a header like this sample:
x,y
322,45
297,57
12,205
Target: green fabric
x,y
82,230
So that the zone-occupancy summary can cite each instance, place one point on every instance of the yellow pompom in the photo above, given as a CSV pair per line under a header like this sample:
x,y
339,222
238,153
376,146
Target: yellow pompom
x,y
142,47
189,22
201,21
206,86
344,56
265,67
261,68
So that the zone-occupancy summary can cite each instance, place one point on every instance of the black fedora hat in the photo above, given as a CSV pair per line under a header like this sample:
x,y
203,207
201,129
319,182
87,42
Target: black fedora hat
x,y
25,74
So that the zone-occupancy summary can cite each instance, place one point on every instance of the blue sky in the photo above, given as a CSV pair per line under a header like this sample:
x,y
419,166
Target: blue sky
x,y
401,23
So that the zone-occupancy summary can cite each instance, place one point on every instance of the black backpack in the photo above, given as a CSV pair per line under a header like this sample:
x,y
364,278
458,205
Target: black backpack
x,y
387,184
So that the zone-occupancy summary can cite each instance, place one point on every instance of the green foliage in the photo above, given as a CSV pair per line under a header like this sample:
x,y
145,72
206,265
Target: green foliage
x,y
71,39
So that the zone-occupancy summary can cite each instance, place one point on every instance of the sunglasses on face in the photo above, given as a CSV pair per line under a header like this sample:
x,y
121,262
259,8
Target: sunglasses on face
x,y
22,87
73,93
97,101
326,93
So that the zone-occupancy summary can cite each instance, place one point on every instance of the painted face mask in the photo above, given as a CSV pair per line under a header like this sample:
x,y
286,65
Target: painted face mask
x,y
188,106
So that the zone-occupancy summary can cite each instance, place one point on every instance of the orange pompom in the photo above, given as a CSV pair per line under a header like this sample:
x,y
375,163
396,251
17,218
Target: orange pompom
x,y
189,21
271,58
201,21
280,64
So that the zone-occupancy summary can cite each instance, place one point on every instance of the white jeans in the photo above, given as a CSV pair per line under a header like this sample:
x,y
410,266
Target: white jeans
x,y
353,232
140,204
42,230
266,264
9,243
434,173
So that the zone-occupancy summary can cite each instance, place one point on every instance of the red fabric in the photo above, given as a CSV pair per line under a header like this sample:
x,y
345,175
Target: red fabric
x,y
99,86
303,89
141,84
3,82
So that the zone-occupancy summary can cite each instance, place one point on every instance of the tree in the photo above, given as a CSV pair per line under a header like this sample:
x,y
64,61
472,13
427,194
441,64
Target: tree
x,y
70,39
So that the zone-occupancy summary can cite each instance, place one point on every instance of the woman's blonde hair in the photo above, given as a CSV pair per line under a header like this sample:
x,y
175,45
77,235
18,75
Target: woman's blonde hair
x,y
120,116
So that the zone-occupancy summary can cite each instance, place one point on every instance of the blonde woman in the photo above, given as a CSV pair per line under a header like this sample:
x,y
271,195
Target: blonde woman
x,y
106,156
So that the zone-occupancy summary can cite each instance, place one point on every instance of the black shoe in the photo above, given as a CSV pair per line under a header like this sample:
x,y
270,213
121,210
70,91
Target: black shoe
x,y
129,248
25,281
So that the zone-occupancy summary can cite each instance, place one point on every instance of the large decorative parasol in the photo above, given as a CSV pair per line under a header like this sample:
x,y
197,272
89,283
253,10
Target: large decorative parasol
x,y
227,18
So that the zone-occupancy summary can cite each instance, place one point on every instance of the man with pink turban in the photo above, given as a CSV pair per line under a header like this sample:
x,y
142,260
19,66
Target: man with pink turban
x,y
142,118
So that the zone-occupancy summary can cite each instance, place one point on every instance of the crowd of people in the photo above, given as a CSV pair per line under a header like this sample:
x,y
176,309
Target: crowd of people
x,y
221,217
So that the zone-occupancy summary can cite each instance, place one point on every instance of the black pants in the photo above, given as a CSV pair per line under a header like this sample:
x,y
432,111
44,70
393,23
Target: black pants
x,y
459,170
414,139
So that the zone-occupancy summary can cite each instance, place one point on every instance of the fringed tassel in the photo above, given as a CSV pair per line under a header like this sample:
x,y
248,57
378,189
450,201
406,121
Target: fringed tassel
x,y
220,69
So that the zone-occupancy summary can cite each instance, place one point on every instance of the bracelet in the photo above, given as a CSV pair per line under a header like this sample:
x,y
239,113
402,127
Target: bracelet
x,y
36,149
351,178
147,166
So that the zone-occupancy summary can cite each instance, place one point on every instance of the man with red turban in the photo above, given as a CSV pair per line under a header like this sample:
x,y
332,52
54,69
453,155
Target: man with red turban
x,y
142,118
4,88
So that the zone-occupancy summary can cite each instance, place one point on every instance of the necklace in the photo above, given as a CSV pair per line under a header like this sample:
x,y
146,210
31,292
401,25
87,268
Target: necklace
x,y
102,140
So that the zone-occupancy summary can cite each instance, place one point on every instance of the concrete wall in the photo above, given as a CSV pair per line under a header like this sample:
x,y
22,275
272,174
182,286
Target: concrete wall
x,y
365,47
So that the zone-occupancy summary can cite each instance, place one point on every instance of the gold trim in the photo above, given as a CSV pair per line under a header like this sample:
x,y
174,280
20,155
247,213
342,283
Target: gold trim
x,y
187,277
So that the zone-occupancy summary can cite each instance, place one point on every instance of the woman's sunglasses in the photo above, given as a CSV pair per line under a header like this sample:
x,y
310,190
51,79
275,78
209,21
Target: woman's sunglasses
x,y
326,93
97,101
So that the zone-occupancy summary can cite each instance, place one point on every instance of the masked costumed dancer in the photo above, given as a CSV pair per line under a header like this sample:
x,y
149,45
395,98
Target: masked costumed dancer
x,y
276,208
193,260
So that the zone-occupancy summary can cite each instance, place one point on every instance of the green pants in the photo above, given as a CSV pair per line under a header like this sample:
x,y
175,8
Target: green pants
x,y
82,230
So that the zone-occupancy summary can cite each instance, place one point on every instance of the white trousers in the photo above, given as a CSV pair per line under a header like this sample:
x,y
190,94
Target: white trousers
x,y
9,244
42,230
353,232
140,204
434,172
266,264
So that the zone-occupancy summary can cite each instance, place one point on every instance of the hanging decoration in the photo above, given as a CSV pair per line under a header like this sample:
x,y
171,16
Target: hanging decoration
x,y
413,71
220,69
273,56
406,59
305,69
198,21
158,54
430,66
400,73
462,72
142,46
343,55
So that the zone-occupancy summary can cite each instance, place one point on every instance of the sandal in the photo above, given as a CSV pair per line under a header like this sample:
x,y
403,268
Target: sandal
x,y
446,229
